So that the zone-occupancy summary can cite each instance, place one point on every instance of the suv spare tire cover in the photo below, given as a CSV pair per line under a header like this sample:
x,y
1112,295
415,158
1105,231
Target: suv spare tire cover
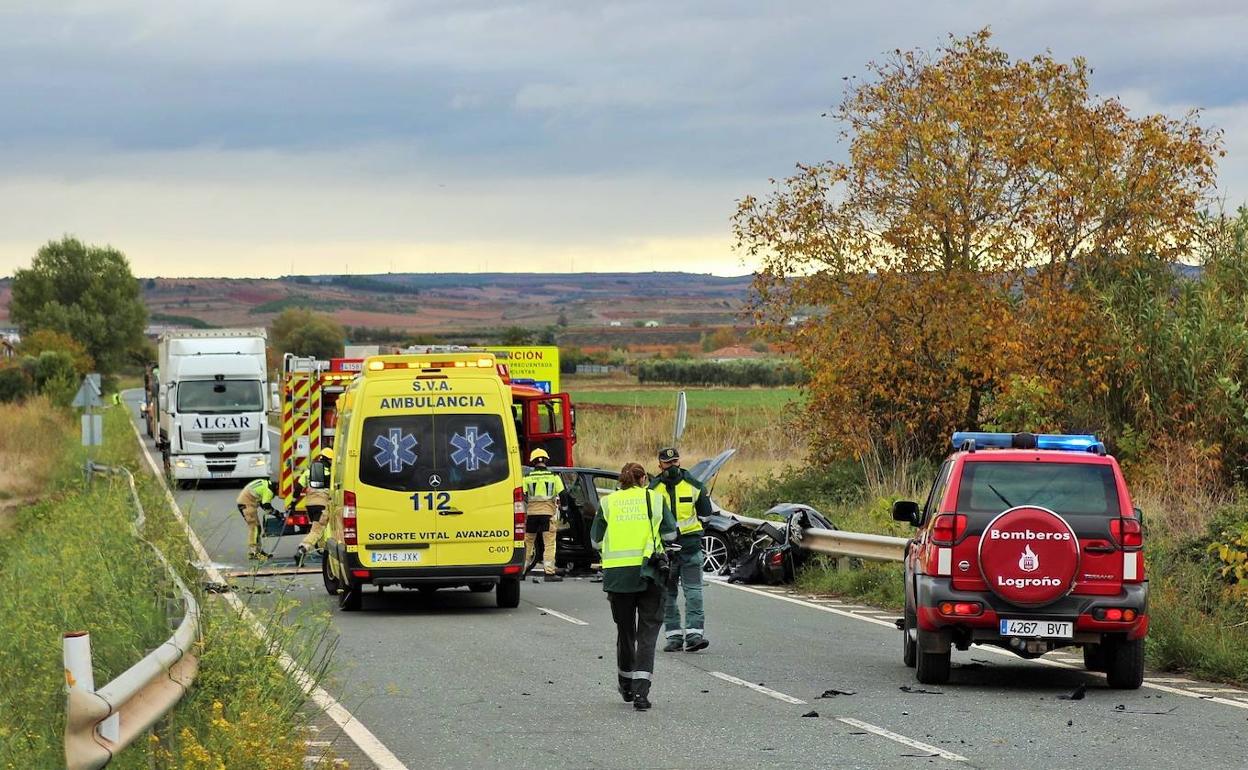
x,y
1029,556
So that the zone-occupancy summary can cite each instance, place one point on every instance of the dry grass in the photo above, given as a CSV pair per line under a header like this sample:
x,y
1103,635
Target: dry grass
x,y
31,446
765,439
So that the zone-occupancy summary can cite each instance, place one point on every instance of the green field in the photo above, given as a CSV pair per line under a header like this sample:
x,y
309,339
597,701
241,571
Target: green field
x,y
698,398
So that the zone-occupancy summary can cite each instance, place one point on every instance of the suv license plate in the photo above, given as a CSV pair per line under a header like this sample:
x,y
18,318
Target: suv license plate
x,y
396,557
1038,628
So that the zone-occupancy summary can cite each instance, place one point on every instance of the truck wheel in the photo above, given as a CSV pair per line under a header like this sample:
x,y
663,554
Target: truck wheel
x,y
331,582
1094,657
931,667
909,647
1124,664
351,598
508,595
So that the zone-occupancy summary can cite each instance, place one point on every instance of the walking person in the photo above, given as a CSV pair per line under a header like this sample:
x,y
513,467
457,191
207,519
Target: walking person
x,y
315,502
256,495
631,530
542,490
688,500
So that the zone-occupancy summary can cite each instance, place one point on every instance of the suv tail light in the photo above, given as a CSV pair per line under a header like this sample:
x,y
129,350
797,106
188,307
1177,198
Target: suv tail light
x,y
349,533
947,528
1127,533
518,509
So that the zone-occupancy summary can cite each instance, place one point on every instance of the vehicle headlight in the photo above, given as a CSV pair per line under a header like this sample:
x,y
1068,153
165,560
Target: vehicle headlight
x,y
256,462
181,463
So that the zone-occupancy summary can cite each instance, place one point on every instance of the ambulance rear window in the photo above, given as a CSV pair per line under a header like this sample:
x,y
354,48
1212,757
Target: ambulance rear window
x,y
1066,488
427,452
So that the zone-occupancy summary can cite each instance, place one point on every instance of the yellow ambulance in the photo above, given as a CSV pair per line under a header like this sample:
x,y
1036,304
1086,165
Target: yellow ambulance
x,y
426,487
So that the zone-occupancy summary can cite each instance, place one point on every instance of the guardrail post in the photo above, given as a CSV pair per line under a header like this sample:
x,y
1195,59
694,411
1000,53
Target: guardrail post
x,y
83,708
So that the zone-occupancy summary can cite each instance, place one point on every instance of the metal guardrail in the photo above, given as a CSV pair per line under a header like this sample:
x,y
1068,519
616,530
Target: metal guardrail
x,y
836,542
100,723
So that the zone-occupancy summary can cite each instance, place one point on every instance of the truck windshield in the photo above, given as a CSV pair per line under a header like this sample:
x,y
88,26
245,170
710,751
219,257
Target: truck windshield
x,y
1067,488
214,396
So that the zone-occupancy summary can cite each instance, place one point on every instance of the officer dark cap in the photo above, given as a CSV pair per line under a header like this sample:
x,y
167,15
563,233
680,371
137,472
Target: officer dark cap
x,y
668,454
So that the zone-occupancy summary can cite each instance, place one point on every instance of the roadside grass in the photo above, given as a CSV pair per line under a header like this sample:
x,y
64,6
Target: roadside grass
x,y
696,398
71,563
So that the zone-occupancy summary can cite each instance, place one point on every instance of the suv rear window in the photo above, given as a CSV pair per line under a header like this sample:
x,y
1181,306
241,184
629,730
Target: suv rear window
x,y
1066,488
426,452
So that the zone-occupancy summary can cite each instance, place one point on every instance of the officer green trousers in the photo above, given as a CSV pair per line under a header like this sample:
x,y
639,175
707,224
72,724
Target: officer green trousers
x,y
688,575
637,617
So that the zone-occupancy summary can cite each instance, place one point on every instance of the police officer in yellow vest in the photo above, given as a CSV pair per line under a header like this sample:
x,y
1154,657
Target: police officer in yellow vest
x,y
688,500
315,502
633,525
542,489
256,495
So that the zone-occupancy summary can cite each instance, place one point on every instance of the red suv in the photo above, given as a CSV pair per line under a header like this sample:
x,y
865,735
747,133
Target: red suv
x,y
1028,542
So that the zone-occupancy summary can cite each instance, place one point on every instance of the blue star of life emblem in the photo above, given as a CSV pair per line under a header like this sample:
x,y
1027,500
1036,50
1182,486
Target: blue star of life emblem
x,y
395,450
472,449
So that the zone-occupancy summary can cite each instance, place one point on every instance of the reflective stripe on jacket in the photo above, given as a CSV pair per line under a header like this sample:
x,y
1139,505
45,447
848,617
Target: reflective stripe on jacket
x,y
632,530
542,490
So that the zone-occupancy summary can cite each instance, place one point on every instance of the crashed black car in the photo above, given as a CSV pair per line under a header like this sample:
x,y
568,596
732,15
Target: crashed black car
x,y
722,539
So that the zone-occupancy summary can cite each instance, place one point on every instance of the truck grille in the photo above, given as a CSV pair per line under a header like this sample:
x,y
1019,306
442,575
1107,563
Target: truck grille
x,y
219,438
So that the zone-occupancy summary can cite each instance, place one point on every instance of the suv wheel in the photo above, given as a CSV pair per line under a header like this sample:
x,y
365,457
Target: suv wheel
x,y
931,667
1094,657
1124,664
909,647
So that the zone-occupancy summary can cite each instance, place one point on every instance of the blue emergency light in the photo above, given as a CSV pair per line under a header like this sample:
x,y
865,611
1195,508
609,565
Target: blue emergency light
x,y
972,440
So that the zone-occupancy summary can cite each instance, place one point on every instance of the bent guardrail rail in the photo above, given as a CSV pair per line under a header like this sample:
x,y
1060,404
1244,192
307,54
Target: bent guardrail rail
x,y
100,723
838,542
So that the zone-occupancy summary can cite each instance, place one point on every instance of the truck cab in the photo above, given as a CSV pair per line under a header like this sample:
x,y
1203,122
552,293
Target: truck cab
x,y
211,402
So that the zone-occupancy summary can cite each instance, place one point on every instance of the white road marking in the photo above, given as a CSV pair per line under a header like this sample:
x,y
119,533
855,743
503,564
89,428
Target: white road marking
x,y
1217,689
561,616
1170,679
812,605
903,740
368,743
758,688
1153,683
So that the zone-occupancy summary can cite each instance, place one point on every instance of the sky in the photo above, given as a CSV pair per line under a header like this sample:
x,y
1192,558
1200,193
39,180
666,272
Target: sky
x,y
254,138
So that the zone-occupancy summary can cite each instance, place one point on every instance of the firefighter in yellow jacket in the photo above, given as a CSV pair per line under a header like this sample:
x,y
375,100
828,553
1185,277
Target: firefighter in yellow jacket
x,y
542,489
256,495
315,502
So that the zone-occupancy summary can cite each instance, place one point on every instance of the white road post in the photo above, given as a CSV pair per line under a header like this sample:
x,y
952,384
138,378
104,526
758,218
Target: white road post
x,y
76,649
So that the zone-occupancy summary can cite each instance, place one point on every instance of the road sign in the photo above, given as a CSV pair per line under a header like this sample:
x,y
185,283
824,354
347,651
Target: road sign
x,y
539,363
88,393
92,430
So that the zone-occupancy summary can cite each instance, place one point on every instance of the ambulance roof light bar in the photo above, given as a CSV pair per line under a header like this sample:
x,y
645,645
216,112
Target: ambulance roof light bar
x,y
969,441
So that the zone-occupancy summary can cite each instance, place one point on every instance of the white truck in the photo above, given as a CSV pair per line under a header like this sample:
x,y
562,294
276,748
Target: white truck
x,y
211,396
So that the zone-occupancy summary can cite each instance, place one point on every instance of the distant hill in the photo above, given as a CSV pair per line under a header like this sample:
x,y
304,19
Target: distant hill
x,y
455,302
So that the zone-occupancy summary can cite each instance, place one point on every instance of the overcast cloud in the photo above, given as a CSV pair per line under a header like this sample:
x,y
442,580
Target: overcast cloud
x,y
253,138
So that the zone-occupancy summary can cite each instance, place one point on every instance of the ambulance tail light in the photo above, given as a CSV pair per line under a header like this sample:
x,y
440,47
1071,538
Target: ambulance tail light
x,y
947,528
349,533
518,509
1127,533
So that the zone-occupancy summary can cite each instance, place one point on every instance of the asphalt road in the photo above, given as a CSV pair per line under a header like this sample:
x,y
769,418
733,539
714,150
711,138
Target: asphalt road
x,y
449,680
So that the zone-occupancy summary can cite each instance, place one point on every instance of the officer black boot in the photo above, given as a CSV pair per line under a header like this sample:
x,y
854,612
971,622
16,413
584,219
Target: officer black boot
x,y
625,688
641,701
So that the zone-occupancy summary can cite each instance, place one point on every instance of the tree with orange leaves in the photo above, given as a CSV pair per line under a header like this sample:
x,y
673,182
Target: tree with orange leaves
x,y
943,256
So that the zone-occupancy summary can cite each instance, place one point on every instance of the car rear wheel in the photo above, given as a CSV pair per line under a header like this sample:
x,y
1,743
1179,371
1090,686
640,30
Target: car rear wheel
x,y
909,647
932,667
327,577
1124,664
717,553
508,595
1094,657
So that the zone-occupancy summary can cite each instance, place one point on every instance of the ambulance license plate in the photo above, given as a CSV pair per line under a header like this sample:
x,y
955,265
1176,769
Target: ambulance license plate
x,y
396,557
1038,628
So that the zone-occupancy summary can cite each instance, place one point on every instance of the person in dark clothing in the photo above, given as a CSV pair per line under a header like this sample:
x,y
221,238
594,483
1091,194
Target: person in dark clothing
x,y
633,525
